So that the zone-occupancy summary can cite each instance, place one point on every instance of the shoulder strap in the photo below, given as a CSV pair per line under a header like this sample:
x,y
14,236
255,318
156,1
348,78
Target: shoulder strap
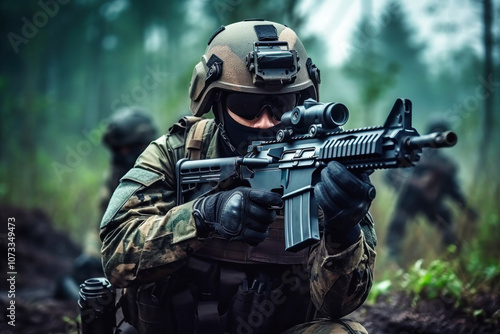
x,y
198,139
194,140
190,137
177,134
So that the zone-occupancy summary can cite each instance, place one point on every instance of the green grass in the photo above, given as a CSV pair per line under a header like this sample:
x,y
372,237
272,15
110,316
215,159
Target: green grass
x,y
457,274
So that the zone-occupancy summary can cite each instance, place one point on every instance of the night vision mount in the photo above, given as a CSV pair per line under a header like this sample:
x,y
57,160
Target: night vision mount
x,y
272,63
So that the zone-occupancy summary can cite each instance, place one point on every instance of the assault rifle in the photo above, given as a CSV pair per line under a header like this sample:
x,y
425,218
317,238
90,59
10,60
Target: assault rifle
x,y
290,164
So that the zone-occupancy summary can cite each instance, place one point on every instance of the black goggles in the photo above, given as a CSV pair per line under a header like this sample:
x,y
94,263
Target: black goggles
x,y
251,106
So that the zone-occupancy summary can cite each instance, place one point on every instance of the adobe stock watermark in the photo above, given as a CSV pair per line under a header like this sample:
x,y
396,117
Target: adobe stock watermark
x,y
471,103
225,6
30,28
75,155
262,310
140,93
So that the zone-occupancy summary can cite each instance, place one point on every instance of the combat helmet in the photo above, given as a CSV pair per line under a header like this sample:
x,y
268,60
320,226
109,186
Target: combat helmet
x,y
256,57
129,126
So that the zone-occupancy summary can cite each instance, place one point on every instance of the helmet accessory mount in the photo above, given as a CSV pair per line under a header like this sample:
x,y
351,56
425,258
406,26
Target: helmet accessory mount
x,y
272,63
214,72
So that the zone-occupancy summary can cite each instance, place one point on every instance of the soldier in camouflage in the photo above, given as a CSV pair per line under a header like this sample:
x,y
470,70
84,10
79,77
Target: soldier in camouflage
x,y
217,264
128,133
424,190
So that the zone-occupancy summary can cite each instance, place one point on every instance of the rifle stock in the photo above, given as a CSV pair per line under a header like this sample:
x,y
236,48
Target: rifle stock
x,y
290,164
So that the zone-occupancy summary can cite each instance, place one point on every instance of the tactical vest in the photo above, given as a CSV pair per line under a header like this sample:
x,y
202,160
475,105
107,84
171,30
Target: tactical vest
x,y
224,286
198,135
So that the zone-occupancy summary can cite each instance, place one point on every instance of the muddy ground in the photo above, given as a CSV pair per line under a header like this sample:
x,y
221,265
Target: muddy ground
x,y
43,255
395,315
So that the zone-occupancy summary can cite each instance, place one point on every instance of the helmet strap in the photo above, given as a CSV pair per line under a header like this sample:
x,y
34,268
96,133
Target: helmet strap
x,y
219,118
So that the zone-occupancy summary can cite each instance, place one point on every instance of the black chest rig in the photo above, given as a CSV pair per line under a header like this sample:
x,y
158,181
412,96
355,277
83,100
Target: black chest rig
x,y
224,287
198,135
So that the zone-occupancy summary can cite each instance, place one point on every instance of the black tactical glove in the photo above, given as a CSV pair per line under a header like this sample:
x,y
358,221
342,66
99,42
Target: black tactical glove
x,y
345,199
239,214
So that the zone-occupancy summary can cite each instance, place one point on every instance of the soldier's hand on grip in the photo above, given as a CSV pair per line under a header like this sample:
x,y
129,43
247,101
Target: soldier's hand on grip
x,y
344,197
239,214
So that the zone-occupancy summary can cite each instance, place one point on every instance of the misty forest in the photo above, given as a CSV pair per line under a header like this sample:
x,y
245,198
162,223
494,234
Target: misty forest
x,y
67,66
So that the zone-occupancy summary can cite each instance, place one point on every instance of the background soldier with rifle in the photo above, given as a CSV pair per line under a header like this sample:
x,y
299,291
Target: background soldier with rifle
x,y
424,190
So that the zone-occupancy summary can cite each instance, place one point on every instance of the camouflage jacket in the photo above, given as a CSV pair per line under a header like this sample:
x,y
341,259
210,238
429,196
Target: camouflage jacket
x,y
147,236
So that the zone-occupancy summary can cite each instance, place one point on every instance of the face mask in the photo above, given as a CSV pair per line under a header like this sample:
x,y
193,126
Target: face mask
x,y
241,136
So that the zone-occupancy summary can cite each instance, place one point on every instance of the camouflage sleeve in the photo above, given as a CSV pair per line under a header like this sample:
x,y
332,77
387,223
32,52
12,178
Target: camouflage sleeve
x,y
145,235
341,280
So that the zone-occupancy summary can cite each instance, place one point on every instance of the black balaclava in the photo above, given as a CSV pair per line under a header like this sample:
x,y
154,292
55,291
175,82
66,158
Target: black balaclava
x,y
241,136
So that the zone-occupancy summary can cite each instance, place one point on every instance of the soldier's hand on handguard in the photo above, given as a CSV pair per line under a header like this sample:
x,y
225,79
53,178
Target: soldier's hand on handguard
x,y
239,214
345,199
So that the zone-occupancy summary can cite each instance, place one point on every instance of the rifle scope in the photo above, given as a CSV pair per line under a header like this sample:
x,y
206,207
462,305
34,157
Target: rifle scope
x,y
327,116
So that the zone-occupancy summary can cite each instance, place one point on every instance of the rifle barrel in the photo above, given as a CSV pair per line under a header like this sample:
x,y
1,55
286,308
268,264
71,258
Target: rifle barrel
x,y
434,140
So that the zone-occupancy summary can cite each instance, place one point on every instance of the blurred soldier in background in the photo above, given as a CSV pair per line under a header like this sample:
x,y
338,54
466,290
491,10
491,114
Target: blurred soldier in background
x,y
128,133
424,189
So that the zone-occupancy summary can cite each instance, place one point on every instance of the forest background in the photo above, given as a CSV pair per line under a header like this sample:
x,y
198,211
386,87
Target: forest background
x,y
66,66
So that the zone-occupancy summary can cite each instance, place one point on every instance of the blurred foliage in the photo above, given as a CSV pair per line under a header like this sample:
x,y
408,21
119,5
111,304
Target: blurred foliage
x,y
443,279
379,288
66,68
439,279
